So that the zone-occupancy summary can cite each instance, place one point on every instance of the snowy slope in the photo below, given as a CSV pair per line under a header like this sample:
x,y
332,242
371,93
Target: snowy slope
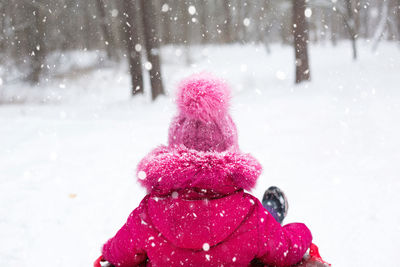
x,y
66,167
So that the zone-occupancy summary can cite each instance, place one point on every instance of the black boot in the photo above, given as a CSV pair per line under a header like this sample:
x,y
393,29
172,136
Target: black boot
x,y
275,202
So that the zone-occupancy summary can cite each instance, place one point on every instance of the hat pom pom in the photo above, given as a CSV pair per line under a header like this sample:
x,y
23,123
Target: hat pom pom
x,y
203,96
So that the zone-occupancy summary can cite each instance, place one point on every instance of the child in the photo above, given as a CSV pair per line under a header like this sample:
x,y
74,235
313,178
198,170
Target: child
x,y
196,212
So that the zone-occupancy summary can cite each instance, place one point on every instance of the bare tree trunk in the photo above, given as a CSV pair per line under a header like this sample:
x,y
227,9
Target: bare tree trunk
x,y
356,16
366,19
107,35
152,48
382,26
166,22
391,24
351,26
300,31
37,48
2,29
133,47
334,28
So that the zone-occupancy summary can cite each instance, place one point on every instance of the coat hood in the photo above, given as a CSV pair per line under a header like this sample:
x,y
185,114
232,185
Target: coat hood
x,y
166,169
198,224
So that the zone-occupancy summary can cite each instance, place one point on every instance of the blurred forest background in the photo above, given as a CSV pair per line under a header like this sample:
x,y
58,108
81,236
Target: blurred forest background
x,y
36,35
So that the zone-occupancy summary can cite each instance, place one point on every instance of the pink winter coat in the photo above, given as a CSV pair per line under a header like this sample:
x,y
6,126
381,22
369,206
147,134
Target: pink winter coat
x,y
197,214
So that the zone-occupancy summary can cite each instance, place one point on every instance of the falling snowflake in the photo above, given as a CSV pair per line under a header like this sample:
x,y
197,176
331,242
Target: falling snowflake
x,y
138,47
308,12
165,8
192,10
114,13
148,65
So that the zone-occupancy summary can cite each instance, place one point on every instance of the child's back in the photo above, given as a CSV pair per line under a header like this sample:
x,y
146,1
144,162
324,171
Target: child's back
x,y
196,212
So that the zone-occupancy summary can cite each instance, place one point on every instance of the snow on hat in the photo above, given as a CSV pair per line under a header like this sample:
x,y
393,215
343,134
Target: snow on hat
x,y
203,122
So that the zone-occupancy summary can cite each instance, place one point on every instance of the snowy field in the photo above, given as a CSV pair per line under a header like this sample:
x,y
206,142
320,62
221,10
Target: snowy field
x,y
69,149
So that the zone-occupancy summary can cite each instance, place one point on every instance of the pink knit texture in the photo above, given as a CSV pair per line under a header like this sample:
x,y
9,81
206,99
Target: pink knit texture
x,y
203,122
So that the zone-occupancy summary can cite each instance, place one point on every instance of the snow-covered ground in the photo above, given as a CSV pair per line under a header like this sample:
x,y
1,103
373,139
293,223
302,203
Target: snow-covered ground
x,y
69,149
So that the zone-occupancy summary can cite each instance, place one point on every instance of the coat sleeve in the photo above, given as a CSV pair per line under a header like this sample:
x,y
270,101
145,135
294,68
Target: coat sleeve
x,y
281,245
126,248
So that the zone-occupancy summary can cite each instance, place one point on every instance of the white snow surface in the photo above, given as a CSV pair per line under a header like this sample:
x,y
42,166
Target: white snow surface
x,y
69,149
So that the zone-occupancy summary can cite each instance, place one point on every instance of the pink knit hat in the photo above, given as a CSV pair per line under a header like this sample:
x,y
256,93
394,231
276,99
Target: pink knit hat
x,y
203,147
203,122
